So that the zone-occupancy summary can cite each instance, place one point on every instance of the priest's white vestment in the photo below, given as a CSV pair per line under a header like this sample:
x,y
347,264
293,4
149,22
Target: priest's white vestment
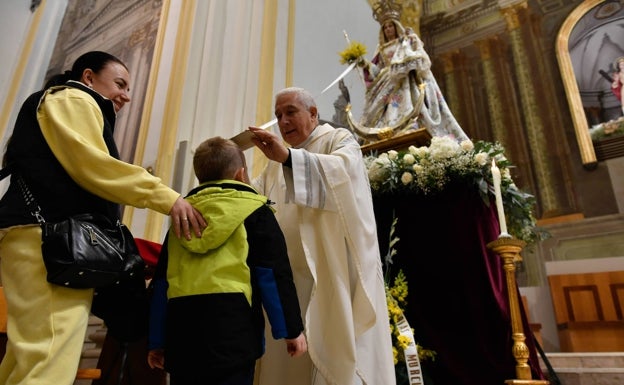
x,y
323,204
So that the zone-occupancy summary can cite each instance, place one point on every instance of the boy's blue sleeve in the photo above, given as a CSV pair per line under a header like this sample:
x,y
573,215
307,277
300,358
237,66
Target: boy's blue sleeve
x,y
271,302
158,312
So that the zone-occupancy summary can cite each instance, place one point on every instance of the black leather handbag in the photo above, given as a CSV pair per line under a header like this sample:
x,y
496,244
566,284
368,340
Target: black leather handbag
x,y
89,251
85,250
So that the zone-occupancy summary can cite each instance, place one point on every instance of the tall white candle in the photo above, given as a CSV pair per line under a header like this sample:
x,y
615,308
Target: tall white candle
x,y
496,178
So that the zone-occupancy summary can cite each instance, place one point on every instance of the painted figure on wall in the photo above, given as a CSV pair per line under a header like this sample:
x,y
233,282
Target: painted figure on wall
x,y
124,28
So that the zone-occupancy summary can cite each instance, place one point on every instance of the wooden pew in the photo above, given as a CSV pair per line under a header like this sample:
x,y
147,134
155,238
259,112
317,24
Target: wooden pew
x,y
589,311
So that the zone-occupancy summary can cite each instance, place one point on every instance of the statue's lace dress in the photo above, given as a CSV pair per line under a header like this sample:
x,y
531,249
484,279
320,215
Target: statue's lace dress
x,y
396,78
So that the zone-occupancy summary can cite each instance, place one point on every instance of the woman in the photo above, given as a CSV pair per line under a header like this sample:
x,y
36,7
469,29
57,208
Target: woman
x,y
401,91
63,148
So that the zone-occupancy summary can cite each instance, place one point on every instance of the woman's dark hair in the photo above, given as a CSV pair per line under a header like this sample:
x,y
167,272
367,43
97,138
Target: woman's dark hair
x,y
95,60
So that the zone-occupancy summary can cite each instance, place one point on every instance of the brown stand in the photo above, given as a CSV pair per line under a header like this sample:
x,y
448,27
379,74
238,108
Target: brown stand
x,y
509,250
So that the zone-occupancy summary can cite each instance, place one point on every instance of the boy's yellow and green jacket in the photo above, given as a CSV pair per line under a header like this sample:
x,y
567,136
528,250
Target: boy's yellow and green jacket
x,y
209,291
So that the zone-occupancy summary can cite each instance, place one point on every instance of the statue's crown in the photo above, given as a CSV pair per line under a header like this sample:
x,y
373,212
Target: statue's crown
x,y
385,10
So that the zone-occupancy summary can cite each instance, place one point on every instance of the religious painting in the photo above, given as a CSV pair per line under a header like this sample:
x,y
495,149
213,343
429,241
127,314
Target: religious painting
x,y
596,42
589,47
124,28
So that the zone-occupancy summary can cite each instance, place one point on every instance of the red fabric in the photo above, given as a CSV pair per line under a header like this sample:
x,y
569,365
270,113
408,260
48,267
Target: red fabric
x,y
617,91
148,250
457,300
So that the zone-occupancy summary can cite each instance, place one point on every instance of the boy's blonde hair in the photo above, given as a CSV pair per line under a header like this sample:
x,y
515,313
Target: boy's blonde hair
x,y
217,158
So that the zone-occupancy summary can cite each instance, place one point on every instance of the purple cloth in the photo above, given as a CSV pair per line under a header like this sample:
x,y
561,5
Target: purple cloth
x,y
457,301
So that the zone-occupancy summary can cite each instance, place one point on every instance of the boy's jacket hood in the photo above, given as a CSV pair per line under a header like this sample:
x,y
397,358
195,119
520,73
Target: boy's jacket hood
x,y
225,205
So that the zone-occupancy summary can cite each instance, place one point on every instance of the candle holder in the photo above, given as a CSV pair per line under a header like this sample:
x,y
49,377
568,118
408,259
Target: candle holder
x,y
509,248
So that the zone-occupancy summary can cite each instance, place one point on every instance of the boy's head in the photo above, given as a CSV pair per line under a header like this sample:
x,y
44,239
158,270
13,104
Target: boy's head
x,y
217,158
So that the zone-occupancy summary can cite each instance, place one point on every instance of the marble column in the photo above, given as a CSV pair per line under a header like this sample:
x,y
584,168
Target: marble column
x,y
534,123
494,98
457,88
451,95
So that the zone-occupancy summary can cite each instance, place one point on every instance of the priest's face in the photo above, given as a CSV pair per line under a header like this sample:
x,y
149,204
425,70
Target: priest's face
x,y
295,120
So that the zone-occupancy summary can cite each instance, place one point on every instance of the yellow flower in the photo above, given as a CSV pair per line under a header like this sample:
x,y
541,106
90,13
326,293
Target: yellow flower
x,y
353,52
396,298
404,341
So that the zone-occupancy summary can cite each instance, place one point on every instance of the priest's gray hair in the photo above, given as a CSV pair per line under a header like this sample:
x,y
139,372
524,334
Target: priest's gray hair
x,y
303,96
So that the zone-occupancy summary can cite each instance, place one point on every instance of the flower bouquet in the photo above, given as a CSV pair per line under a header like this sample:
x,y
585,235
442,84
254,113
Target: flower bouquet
x,y
429,170
354,52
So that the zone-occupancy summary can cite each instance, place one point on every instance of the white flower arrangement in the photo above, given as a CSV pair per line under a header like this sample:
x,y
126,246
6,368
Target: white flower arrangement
x,y
608,129
428,170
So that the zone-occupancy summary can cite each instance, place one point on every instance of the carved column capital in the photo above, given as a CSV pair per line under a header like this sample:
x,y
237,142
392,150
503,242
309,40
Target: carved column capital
x,y
511,14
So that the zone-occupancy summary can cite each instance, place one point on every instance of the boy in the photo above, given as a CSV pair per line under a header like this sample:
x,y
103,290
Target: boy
x,y
207,324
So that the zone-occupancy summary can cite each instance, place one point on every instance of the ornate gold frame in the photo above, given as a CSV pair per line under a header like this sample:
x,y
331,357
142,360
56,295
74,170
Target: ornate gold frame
x,y
581,127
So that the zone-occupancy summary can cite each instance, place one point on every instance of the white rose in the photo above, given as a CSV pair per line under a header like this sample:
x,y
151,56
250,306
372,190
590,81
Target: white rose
x,y
421,152
409,159
417,168
481,158
407,177
393,154
467,145
376,171
412,150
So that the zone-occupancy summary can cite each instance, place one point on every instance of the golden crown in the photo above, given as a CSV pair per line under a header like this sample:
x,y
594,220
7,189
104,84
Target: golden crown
x,y
386,10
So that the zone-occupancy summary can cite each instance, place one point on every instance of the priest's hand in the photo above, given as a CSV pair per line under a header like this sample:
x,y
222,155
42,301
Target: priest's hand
x,y
270,144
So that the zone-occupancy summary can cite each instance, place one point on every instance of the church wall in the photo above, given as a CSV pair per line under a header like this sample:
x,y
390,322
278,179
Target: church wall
x,y
26,43
12,36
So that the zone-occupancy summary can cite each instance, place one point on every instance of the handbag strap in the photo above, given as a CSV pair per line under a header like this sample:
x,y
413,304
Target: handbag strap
x,y
35,210
5,172
32,205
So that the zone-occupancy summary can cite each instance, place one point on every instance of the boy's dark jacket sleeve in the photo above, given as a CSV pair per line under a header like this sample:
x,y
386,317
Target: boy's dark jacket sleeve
x,y
268,259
